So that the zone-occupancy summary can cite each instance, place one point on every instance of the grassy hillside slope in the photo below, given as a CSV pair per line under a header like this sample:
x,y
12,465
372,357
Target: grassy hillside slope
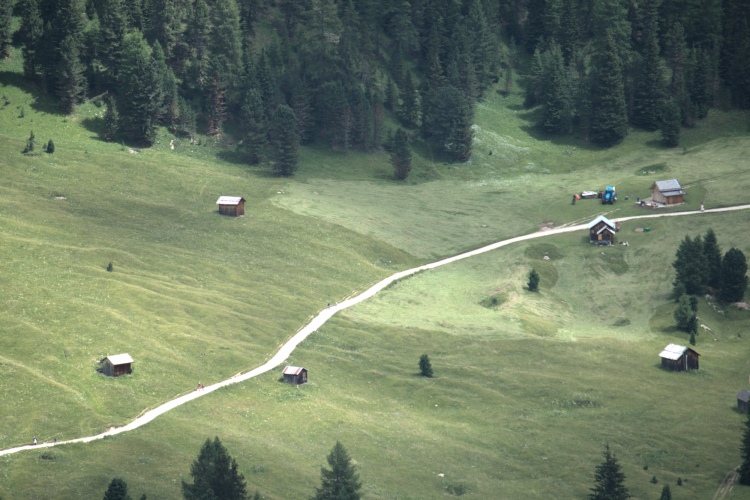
x,y
526,393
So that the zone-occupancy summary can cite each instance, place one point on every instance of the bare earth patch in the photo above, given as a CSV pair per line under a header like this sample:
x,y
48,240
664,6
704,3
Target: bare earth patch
x,y
546,226
742,305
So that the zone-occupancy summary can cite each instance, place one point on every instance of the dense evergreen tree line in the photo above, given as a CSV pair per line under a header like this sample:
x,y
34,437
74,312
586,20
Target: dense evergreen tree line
x,y
195,65
699,265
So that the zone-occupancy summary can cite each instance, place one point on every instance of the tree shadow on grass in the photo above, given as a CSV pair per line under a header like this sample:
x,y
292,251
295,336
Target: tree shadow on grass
x,y
95,125
42,103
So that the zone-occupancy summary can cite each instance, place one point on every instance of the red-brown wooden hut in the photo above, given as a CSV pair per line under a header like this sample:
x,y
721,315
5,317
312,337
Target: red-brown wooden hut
x,y
295,375
679,358
116,365
231,205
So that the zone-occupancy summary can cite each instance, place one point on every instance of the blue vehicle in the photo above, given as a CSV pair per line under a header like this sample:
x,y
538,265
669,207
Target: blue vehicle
x,y
609,196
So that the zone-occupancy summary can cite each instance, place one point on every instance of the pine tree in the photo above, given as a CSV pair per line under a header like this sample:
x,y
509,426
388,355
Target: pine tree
x,y
666,493
744,470
701,93
254,126
670,124
65,20
117,490
30,33
447,123
649,92
167,86
425,367
608,123
138,91
685,315
300,103
409,110
341,481
533,281
609,480
113,24
712,253
215,475
733,280
6,27
482,46
400,155
690,266
557,101
286,141
70,80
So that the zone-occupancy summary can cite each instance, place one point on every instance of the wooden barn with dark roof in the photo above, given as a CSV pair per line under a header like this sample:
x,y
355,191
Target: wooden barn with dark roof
x,y
679,358
231,205
295,375
667,192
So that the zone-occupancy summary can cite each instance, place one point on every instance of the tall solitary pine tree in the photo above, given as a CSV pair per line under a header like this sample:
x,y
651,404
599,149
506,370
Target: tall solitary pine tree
x,y
609,480
733,281
286,141
341,481
400,155
215,475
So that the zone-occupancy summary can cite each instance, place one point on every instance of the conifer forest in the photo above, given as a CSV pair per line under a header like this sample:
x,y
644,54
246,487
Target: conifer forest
x,y
334,68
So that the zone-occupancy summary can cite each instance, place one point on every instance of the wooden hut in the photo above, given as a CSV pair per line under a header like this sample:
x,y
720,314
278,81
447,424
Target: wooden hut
x,y
743,398
231,205
679,358
117,365
667,192
295,375
602,231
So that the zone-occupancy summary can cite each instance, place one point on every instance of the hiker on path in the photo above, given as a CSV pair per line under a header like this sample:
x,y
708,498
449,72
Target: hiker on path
x,y
35,441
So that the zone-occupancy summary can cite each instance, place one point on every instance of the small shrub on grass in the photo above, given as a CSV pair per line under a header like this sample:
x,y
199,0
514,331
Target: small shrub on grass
x,y
50,147
110,267
425,367
533,281
654,480
679,481
666,493
456,489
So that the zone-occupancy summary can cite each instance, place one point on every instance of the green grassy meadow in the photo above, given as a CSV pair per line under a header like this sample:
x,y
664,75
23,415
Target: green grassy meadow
x,y
528,388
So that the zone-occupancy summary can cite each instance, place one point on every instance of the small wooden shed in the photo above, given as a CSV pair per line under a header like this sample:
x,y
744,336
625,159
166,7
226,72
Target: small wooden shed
x,y
679,358
295,375
743,399
231,205
602,229
668,192
116,365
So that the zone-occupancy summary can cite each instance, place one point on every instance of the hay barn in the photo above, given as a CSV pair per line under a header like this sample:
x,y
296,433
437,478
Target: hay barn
x,y
116,365
231,205
679,358
667,192
602,229
295,375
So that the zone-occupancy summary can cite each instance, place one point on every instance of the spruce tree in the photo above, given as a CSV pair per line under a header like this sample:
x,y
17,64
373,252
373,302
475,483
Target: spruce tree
x,y
111,119
70,79
286,141
138,91
744,470
448,116
712,252
685,315
666,493
400,155
215,476
733,279
425,367
608,123
113,24
533,283
254,126
6,27
117,490
409,109
649,94
609,480
670,123
557,101
690,266
30,33
341,481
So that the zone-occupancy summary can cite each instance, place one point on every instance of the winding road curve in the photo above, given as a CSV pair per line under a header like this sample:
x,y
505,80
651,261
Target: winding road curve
x,y
286,350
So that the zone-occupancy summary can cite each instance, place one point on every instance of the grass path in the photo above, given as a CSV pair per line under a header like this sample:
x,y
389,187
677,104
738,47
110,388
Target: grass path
x,y
286,349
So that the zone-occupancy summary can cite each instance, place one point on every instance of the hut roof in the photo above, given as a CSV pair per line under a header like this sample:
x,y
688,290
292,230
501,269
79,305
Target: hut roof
x,y
744,395
599,219
119,359
229,200
605,228
674,351
292,370
668,188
